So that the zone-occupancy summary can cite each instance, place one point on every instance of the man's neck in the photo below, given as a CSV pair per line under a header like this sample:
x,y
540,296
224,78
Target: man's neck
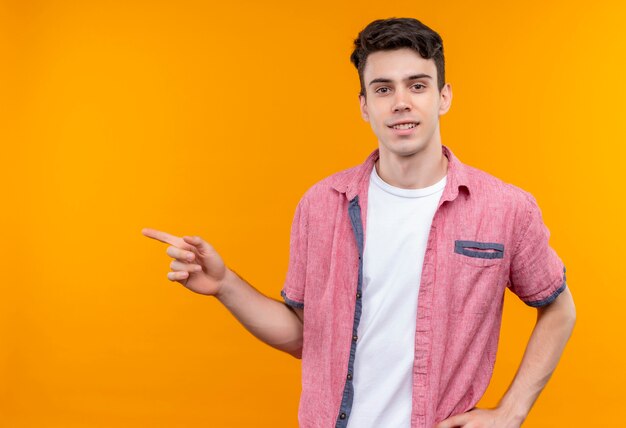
x,y
419,170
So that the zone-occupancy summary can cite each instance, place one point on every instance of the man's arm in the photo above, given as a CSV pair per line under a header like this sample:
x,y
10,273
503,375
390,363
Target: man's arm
x,y
200,268
553,329
269,320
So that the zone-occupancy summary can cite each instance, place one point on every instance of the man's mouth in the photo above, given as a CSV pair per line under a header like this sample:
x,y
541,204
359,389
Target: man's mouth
x,y
404,125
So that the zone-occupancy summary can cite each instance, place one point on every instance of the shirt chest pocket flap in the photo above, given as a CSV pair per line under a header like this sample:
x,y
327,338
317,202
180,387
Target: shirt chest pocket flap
x,y
479,253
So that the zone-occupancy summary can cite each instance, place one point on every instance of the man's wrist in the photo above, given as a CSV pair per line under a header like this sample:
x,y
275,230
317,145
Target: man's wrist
x,y
513,410
225,284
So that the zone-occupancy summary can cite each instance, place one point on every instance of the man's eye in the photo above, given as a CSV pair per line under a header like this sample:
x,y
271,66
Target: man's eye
x,y
419,86
382,90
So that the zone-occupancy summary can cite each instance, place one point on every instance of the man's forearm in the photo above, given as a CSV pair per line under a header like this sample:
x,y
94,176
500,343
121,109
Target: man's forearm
x,y
271,321
545,346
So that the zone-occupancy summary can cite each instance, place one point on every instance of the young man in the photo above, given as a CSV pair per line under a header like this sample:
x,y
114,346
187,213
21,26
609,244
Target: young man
x,y
398,266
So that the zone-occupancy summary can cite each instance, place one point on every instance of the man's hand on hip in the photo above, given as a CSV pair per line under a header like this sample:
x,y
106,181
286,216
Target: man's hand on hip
x,y
482,418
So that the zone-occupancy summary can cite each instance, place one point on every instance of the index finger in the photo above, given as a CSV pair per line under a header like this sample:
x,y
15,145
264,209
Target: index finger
x,y
162,236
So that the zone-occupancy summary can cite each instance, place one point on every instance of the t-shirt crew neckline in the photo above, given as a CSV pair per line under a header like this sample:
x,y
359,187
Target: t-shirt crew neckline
x,y
407,193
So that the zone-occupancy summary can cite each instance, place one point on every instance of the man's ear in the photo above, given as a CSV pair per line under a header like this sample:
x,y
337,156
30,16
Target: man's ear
x,y
363,102
445,98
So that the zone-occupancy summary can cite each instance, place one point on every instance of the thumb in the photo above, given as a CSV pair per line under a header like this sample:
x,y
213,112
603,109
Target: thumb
x,y
454,421
207,256
203,247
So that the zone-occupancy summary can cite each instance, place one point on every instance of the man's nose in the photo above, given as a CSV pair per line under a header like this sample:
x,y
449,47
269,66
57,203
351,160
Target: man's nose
x,y
402,102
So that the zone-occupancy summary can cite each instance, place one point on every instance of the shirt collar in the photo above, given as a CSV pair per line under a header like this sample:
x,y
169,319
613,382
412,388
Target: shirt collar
x,y
355,180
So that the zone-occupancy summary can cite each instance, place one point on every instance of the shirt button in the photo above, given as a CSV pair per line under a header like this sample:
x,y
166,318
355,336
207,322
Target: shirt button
x,y
342,416
355,337
349,376
358,295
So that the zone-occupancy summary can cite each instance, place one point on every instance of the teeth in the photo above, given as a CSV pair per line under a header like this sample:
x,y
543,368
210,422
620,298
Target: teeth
x,y
404,126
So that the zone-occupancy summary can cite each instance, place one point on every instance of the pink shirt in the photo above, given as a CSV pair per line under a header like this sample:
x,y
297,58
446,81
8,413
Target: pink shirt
x,y
486,235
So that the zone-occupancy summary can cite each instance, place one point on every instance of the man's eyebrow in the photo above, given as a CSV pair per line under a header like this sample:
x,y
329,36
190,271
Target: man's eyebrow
x,y
413,77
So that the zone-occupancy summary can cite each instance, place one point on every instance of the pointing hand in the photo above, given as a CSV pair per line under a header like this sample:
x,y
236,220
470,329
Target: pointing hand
x,y
196,264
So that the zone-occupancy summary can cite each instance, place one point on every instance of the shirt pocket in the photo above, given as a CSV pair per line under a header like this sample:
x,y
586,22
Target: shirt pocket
x,y
477,275
479,253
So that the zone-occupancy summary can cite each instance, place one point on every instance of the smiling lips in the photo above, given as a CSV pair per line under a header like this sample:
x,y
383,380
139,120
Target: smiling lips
x,y
403,127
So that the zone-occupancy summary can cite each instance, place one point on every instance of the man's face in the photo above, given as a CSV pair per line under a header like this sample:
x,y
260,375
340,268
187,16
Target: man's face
x,y
403,103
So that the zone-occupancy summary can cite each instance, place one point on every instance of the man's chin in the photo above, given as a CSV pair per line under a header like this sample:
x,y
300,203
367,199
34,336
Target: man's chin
x,y
402,149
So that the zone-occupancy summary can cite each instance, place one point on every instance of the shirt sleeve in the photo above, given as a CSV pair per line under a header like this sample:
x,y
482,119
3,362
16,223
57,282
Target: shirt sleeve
x,y
293,289
537,274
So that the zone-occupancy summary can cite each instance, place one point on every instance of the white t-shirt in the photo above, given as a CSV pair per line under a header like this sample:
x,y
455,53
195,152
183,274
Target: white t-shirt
x,y
398,224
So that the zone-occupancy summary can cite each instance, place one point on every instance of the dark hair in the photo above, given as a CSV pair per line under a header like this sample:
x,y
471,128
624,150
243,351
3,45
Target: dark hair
x,y
396,33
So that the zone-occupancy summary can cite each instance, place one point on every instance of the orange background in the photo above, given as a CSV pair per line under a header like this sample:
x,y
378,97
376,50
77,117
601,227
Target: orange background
x,y
213,119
